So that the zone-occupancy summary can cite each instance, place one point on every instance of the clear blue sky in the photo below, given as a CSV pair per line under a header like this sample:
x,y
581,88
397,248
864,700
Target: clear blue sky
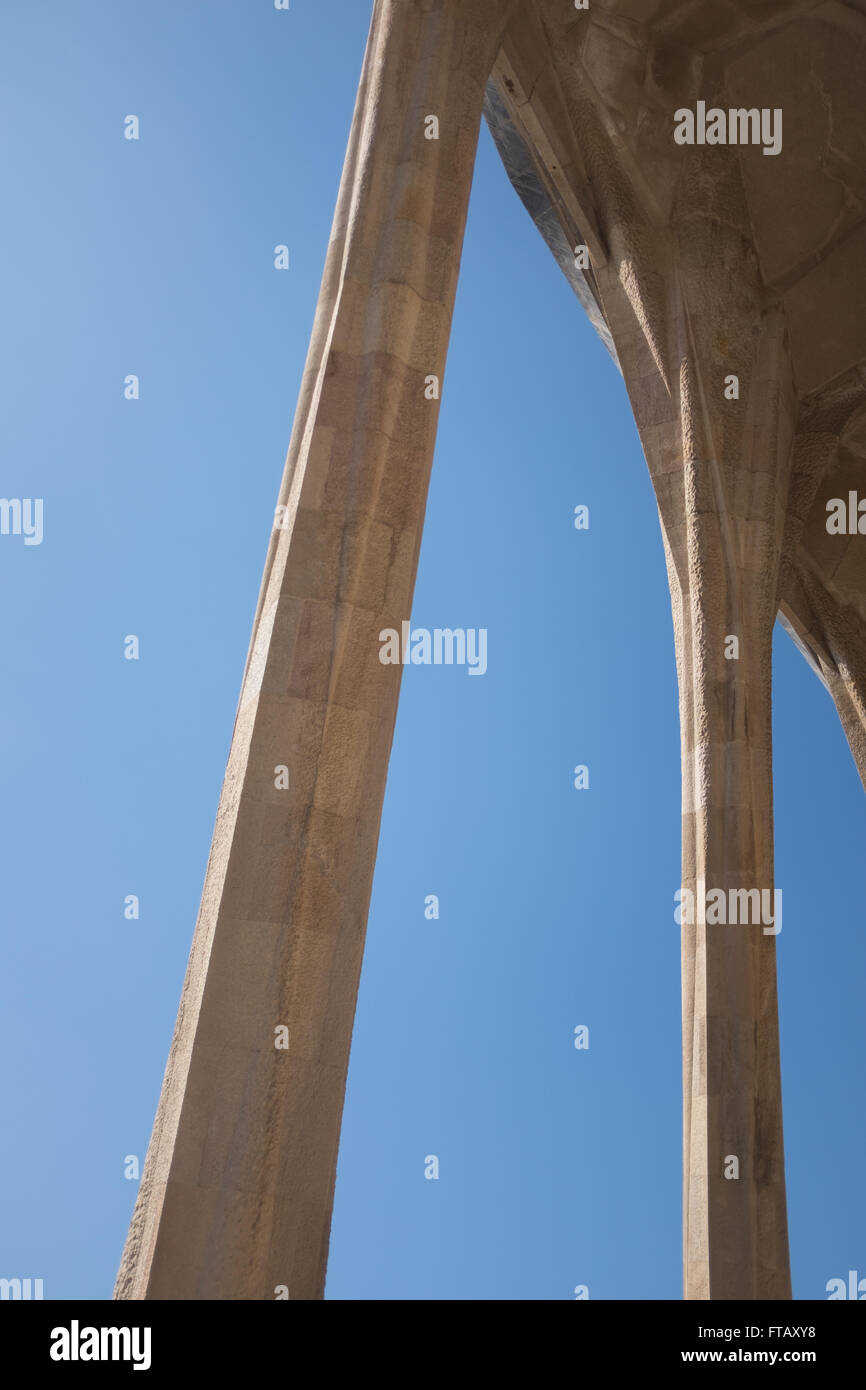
x,y
155,257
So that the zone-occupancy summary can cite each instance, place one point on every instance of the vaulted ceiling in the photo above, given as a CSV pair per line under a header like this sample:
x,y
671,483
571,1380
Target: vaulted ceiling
x,y
693,250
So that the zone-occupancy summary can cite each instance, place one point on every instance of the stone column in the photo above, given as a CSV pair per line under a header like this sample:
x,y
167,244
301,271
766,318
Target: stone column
x,y
236,1195
705,359
723,499
735,1224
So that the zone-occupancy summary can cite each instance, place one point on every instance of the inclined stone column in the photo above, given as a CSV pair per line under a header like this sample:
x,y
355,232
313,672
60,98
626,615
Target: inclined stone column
x,y
236,1195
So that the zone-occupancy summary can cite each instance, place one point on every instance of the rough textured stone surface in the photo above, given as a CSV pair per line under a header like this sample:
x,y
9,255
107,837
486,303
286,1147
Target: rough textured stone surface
x,y
705,261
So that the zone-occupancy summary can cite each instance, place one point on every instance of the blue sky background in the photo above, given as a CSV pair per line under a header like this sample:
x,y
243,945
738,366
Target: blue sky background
x,y
155,257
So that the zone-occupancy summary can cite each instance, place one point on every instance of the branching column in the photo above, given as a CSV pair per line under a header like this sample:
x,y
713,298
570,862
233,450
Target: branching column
x,y
705,360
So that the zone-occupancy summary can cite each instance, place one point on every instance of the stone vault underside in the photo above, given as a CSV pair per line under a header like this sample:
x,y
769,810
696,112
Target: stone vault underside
x,y
625,65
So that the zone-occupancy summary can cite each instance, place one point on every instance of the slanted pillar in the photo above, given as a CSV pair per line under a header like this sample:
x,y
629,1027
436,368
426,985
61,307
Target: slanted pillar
x,y
236,1195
